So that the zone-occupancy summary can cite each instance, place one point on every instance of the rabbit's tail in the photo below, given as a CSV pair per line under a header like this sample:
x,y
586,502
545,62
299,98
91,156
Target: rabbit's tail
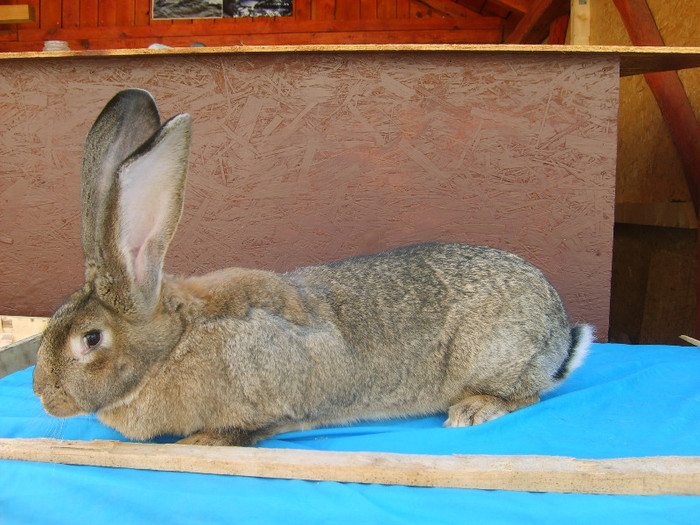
x,y
581,339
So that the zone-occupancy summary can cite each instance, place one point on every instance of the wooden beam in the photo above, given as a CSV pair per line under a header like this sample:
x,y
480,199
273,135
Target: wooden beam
x,y
521,6
449,7
643,476
534,27
17,14
557,31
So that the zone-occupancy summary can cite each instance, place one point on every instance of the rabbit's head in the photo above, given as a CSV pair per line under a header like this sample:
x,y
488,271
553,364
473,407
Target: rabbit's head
x,y
103,340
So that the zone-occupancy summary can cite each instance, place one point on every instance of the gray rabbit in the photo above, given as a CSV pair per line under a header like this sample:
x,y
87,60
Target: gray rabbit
x,y
238,355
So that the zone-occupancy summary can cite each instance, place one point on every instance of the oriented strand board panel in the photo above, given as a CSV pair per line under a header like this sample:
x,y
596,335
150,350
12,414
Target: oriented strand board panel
x,y
299,158
649,168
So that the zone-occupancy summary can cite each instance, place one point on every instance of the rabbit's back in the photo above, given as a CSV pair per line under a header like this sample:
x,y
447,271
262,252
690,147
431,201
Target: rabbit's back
x,y
426,322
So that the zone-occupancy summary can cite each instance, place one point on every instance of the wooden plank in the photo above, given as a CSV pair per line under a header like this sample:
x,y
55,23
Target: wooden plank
x,y
89,14
347,10
323,10
18,327
125,13
50,16
19,355
368,9
71,13
403,8
302,10
663,214
205,28
642,476
386,9
534,26
107,13
17,14
580,22
142,12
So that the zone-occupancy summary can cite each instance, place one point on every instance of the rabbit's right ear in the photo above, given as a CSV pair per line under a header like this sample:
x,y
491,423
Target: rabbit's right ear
x,y
126,122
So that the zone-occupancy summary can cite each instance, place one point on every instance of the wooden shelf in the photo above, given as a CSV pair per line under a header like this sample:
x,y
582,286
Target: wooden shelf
x,y
633,60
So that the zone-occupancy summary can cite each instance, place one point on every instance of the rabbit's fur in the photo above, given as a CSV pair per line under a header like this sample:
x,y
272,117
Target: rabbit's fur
x,y
237,355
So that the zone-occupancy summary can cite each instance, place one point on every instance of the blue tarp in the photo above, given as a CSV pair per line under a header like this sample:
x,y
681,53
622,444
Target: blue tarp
x,y
624,401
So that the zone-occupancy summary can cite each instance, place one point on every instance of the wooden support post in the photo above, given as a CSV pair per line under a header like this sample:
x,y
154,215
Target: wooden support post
x,y
673,102
580,22
643,476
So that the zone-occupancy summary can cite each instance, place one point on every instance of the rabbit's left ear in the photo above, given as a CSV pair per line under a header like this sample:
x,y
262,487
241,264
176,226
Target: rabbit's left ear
x,y
125,123
142,212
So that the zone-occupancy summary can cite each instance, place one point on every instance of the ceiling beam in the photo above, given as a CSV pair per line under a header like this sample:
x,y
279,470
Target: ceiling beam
x,y
449,7
521,6
534,27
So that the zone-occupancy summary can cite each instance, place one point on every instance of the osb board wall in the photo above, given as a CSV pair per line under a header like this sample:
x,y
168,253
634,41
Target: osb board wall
x,y
303,158
649,168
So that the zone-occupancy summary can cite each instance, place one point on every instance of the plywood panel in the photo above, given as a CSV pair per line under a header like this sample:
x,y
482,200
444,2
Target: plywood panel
x,y
649,168
307,157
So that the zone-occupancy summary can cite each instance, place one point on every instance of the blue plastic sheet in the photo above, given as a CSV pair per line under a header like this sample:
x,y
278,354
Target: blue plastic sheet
x,y
624,401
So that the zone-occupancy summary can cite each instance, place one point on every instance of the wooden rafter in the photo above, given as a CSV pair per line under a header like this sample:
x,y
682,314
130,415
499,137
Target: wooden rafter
x,y
534,27
521,6
557,30
449,7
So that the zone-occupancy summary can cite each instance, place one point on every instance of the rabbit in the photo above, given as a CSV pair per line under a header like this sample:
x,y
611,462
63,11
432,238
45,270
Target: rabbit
x,y
239,355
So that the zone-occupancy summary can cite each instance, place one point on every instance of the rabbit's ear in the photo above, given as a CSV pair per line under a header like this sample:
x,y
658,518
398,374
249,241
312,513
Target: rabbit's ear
x,y
126,122
143,208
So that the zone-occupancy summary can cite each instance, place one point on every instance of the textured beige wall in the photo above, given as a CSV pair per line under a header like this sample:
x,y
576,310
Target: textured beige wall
x,y
649,169
303,158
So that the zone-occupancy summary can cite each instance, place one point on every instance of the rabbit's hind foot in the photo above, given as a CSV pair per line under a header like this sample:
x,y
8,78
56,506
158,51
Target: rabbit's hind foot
x,y
477,409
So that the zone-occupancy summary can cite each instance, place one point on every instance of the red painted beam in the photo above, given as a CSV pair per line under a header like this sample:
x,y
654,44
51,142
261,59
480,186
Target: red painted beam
x,y
534,27
557,30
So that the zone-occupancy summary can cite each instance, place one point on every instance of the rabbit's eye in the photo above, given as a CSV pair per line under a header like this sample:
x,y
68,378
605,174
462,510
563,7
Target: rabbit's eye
x,y
92,339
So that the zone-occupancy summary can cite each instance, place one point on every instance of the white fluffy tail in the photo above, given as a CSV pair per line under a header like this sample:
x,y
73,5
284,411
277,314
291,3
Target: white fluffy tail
x,y
581,339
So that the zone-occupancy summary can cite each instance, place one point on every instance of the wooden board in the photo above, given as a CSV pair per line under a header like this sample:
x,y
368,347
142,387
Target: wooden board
x,y
642,476
300,158
19,355
16,328
633,60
